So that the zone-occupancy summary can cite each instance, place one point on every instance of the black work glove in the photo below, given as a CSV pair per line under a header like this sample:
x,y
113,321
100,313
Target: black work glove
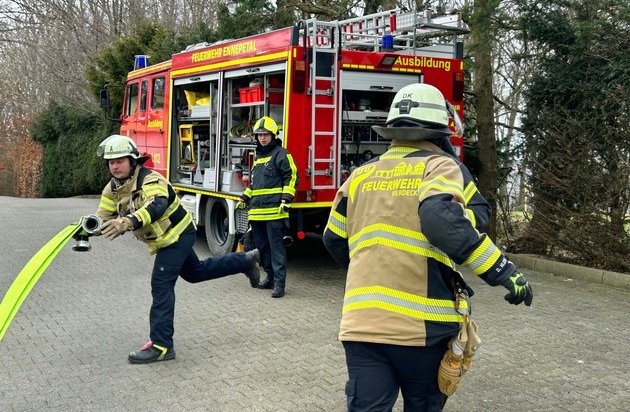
x,y
519,288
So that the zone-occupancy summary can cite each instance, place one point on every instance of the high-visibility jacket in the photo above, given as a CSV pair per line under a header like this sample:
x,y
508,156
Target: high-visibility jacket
x,y
274,179
148,199
400,224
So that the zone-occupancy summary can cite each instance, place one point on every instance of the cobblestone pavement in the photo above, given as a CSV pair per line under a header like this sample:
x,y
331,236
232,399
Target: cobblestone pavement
x,y
240,350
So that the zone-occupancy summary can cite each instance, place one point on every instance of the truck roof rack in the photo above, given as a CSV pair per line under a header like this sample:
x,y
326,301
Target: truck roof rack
x,y
411,31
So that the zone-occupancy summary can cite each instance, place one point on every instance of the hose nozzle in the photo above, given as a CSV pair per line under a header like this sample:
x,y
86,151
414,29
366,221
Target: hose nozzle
x,y
90,226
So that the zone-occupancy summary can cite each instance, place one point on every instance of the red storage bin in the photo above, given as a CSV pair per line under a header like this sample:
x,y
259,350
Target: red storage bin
x,y
251,94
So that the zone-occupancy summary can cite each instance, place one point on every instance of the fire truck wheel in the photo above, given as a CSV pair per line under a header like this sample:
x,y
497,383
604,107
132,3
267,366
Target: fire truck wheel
x,y
220,241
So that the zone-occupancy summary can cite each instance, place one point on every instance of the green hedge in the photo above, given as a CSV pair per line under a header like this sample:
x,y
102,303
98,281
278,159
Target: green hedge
x,y
70,136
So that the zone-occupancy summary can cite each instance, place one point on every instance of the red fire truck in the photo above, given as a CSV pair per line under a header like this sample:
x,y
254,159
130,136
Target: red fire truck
x,y
324,82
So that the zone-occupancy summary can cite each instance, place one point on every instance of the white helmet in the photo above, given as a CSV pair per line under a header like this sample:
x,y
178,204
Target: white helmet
x,y
418,112
117,146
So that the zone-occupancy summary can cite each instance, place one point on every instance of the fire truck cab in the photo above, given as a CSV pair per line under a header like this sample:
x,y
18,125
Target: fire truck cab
x,y
324,83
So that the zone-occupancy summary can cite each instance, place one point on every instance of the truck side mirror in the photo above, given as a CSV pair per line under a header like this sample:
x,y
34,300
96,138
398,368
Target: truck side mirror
x,y
105,98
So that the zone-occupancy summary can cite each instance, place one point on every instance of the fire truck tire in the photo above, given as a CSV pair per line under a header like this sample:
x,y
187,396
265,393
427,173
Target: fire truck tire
x,y
220,241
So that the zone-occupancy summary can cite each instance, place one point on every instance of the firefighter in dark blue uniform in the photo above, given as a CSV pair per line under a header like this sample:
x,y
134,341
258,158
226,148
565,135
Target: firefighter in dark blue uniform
x,y
143,201
269,196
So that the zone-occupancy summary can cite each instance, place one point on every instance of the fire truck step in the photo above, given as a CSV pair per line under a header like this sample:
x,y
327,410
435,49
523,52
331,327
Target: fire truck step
x,y
325,78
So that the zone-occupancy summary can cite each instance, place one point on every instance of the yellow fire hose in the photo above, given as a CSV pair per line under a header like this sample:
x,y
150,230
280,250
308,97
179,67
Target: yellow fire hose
x,y
33,270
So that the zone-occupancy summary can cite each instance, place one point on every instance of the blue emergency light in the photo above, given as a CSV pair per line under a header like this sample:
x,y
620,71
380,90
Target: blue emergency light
x,y
142,61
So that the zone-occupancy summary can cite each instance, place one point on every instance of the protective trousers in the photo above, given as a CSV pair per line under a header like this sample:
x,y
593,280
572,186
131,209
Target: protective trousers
x,y
273,255
377,372
180,259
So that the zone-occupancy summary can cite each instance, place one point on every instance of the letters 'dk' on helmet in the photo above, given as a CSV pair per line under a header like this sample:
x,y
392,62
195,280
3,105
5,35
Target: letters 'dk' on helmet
x,y
266,125
418,112
117,146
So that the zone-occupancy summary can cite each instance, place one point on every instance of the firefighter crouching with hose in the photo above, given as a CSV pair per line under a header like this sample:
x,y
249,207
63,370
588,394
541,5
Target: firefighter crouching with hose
x,y
143,201
400,223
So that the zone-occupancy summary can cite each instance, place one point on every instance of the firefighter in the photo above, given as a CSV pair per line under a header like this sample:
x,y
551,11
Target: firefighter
x,y
143,201
400,225
274,180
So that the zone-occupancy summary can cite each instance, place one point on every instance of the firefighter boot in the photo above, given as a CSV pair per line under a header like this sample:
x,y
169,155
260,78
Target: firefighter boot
x,y
151,352
253,273
267,283
278,292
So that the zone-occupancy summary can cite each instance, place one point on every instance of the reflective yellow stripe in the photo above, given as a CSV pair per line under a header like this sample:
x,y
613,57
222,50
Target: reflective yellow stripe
x,y
469,192
482,259
398,152
172,207
107,204
397,238
155,190
171,236
262,160
264,211
143,216
392,300
262,192
290,189
267,213
265,218
162,349
441,184
337,224
471,215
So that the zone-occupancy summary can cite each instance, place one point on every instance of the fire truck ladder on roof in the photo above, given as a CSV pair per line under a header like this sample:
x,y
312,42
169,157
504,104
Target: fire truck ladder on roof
x,y
411,30
323,37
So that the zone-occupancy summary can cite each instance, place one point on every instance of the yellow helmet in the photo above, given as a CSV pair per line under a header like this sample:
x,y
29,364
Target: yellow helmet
x,y
266,125
117,146
418,112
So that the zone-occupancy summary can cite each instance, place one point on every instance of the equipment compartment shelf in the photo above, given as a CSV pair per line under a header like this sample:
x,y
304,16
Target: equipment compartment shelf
x,y
247,104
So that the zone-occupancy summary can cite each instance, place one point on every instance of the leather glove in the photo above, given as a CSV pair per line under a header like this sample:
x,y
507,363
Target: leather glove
x,y
284,207
116,227
519,288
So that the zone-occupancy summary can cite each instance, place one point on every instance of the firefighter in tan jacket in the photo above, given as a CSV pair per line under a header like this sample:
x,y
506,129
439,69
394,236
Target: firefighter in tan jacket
x,y
143,201
400,224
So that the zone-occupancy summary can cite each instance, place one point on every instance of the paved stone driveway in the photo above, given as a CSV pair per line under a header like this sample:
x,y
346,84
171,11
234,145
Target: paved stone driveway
x,y
240,350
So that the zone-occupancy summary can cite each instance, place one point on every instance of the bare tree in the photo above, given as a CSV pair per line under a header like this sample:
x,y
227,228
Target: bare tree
x,y
45,44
